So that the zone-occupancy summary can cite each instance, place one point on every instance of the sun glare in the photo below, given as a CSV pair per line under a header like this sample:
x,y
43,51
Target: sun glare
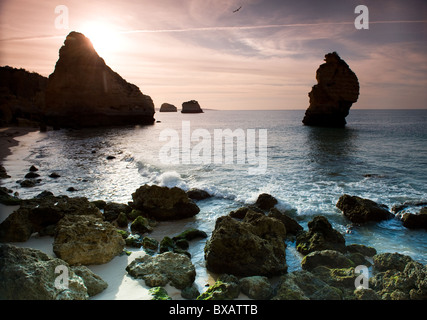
x,y
104,38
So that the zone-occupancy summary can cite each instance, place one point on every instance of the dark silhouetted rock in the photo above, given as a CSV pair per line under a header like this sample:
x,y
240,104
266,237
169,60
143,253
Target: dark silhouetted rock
x,y
191,107
3,173
32,175
198,194
54,175
336,90
21,95
163,203
6,197
359,210
320,236
84,92
291,225
265,201
167,107
415,221
27,183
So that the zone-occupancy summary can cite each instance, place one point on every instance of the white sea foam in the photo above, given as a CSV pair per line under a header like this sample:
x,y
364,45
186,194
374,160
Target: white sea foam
x,y
170,179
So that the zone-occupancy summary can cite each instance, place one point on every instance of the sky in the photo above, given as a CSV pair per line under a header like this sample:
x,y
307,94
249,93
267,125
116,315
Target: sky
x,y
262,57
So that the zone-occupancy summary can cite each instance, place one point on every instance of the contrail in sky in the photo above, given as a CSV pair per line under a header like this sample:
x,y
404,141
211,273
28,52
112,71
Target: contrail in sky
x,y
225,28
269,26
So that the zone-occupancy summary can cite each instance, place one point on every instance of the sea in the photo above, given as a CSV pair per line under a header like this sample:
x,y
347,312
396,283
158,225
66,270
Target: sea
x,y
380,155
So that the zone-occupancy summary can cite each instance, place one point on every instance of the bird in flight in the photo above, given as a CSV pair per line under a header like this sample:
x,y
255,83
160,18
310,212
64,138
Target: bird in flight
x,y
237,9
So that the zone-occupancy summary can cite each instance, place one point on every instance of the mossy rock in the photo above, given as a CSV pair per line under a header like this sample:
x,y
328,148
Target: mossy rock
x,y
190,293
221,291
133,214
360,248
182,244
159,293
342,278
327,258
150,243
122,220
134,241
166,245
190,234
141,225
100,204
123,233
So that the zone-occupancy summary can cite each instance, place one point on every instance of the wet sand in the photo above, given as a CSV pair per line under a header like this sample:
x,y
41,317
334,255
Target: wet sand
x,y
7,139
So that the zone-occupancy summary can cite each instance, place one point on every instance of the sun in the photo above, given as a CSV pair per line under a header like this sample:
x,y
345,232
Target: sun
x,y
103,36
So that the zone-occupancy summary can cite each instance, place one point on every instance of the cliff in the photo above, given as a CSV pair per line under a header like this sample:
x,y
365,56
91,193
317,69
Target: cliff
x,y
336,90
21,95
191,107
84,92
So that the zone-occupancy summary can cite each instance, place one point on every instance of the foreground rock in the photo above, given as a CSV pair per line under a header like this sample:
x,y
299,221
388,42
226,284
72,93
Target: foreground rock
x,y
7,198
87,240
303,285
84,92
165,268
291,225
359,210
167,107
336,90
327,258
256,287
415,221
254,246
226,287
163,203
320,236
400,278
41,214
191,107
29,274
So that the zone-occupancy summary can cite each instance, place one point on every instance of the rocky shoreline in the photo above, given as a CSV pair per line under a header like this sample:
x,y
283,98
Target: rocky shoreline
x,y
246,251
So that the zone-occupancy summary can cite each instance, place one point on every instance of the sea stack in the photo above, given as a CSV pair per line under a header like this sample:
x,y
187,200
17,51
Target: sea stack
x,y
336,90
191,107
84,92
167,107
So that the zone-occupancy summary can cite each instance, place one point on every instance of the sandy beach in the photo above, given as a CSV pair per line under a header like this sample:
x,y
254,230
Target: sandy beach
x,y
7,139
